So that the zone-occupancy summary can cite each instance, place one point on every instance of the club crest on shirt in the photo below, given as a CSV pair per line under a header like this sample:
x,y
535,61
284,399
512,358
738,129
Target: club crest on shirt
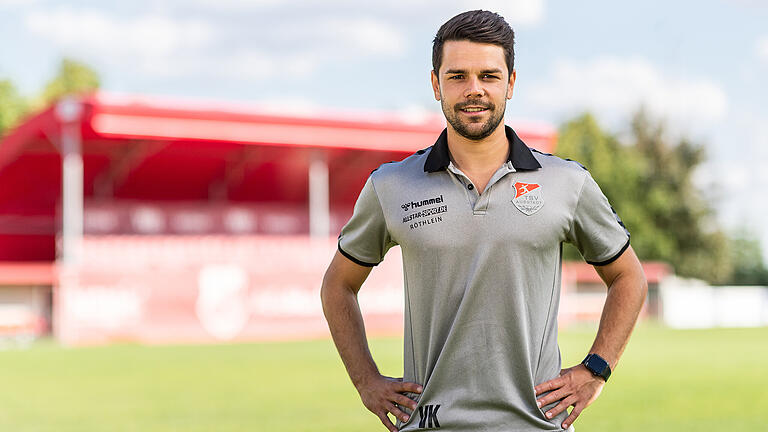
x,y
528,197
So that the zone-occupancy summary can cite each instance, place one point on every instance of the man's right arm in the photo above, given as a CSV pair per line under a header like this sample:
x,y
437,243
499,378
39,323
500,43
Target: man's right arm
x,y
379,394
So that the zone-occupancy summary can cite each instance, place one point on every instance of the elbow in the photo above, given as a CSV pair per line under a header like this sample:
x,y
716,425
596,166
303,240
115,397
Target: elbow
x,y
332,291
632,284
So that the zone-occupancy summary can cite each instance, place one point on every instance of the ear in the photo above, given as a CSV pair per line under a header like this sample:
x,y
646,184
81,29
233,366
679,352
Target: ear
x,y
435,84
511,84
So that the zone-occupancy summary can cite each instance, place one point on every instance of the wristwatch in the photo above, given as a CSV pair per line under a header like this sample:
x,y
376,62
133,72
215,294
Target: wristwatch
x,y
598,366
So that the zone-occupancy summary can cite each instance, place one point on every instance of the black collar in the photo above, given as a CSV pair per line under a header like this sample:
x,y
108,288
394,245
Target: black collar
x,y
519,153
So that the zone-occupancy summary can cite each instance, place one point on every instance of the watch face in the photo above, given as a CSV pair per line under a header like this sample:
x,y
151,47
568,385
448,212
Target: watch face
x,y
596,364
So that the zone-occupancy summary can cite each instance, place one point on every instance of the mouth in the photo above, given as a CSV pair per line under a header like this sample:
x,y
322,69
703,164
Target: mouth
x,y
473,110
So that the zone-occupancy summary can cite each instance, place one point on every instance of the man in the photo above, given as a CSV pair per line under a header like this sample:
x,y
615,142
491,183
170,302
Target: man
x,y
480,219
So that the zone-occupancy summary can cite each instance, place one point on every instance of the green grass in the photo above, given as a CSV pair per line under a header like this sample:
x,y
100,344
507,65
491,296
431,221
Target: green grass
x,y
694,380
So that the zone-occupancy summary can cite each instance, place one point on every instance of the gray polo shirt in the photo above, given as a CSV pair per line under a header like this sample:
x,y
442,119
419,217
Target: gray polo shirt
x,y
482,277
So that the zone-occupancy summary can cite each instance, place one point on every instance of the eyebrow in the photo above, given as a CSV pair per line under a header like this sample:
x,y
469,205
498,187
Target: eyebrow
x,y
462,71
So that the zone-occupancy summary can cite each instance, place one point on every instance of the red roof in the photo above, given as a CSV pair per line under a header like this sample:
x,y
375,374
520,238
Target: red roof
x,y
131,117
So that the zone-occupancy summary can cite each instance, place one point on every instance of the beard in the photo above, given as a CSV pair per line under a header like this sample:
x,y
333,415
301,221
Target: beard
x,y
462,127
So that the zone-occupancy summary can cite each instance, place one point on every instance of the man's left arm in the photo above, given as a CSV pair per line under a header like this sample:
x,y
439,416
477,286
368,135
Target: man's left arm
x,y
577,386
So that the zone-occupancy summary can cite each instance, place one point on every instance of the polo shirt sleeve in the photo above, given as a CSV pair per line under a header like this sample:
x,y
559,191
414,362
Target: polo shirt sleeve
x,y
365,239
596,230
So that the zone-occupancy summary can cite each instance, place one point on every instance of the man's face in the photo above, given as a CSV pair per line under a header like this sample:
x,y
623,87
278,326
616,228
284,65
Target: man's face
x,y
473,86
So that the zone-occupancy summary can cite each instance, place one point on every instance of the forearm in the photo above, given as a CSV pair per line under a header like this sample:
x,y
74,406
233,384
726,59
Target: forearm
x,y
626,296
345,322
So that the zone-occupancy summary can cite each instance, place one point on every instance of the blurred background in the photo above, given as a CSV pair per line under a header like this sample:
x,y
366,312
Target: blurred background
x,y
173,177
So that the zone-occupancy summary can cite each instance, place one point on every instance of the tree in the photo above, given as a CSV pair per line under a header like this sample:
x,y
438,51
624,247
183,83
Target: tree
x,y
615,167
746,255
699,247
73,77
649,182
12,106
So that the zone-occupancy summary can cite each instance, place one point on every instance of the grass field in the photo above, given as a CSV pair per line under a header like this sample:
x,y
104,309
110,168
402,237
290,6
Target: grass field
x,y
668,380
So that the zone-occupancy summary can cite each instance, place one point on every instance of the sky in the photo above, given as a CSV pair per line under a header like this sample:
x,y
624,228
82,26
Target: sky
x,y
699,65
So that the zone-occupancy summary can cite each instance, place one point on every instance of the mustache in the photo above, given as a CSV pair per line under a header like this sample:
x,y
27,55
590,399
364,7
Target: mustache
x,y
485,105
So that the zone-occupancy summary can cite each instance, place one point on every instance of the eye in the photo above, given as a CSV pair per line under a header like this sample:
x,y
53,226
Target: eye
x,y
456,77
489,76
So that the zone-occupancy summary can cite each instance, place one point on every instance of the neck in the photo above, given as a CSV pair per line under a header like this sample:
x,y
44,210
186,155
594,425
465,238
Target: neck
x,y
478,156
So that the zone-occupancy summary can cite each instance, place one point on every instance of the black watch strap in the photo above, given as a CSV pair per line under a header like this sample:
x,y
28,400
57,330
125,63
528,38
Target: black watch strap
x,y
598,366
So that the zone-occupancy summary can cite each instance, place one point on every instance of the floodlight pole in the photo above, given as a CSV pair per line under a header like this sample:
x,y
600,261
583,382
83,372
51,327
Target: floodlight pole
x,y
319,206
69,112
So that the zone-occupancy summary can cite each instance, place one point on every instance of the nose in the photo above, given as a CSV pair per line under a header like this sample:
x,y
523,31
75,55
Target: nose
x,y
474,89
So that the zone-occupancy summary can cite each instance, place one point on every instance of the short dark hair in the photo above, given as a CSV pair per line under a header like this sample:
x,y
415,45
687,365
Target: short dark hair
x,y
475,26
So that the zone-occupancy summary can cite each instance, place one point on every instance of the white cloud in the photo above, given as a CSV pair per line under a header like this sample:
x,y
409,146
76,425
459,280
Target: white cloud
x,y
761,49
236,5
733,177
14,3
524,12
614,87
95,30
341,37
253,65
322,40
144,40
363,35
160,46
248,65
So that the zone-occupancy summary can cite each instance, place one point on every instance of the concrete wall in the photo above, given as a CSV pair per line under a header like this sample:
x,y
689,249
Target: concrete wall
x,y
691,303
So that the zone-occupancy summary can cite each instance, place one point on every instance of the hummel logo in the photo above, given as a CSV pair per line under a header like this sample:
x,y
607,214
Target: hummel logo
x,y
428,414
422,203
